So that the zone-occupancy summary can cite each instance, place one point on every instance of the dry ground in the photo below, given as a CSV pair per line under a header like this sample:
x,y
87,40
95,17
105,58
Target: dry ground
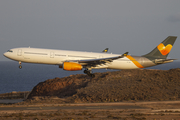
x,y
132,86
165,110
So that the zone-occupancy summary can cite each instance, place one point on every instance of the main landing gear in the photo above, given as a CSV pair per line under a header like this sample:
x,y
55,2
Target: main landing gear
x,y
89,73
20,65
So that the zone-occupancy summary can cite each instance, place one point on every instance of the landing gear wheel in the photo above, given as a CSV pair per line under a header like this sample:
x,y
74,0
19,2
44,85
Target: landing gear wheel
x,y
85,71
88,72
20,67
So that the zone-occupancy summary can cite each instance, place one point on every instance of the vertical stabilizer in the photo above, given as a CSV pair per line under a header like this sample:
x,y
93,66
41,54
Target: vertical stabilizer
x,y
163,49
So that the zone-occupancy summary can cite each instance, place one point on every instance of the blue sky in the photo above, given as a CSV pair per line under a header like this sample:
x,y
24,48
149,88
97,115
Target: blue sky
x,y
136,26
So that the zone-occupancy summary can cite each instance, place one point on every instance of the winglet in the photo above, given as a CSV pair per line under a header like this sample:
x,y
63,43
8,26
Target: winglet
x,y
125,54
105,50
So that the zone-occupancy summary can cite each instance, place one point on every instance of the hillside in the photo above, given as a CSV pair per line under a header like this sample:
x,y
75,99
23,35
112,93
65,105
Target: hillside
x,y
125,85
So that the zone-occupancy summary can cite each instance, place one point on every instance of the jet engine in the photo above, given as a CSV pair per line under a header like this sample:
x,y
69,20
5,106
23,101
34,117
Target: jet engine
x,y
72,66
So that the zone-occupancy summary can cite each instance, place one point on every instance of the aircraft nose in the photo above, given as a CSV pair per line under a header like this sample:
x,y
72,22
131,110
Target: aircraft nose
x,y
5,54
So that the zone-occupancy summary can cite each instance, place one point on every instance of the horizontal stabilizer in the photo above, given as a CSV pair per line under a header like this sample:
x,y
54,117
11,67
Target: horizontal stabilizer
x,y
160,61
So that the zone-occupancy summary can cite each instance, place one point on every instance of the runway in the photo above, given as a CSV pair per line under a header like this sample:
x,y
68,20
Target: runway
x,y
71,107
116,110
90,106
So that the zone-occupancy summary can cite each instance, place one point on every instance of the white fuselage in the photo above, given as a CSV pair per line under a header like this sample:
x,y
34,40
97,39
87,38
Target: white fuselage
x,y
57,57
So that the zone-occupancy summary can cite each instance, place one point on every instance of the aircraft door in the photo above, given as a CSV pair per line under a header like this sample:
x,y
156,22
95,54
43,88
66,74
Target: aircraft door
x,y
19,52
51,54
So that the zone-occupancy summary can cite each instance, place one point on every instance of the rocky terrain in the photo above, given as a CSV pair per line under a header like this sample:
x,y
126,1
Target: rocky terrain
x,y
124,85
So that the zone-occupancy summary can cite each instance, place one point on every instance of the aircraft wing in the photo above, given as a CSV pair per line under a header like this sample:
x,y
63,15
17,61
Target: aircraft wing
x,y
94,62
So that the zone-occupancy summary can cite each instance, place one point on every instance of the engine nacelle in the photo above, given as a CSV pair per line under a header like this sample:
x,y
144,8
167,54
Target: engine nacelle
x,y
72,66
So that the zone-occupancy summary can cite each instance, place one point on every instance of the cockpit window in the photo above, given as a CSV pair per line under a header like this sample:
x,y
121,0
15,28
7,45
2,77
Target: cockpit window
x,y
9,51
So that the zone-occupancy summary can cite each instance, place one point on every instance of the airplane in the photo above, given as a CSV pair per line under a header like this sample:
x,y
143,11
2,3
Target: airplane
x,y
76,60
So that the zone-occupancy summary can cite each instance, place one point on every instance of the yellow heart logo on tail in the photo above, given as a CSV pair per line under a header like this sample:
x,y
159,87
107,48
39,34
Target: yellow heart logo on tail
x,y
164,49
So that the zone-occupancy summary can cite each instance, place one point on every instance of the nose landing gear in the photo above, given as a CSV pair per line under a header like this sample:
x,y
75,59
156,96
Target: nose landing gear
x,y
89,73
20,65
